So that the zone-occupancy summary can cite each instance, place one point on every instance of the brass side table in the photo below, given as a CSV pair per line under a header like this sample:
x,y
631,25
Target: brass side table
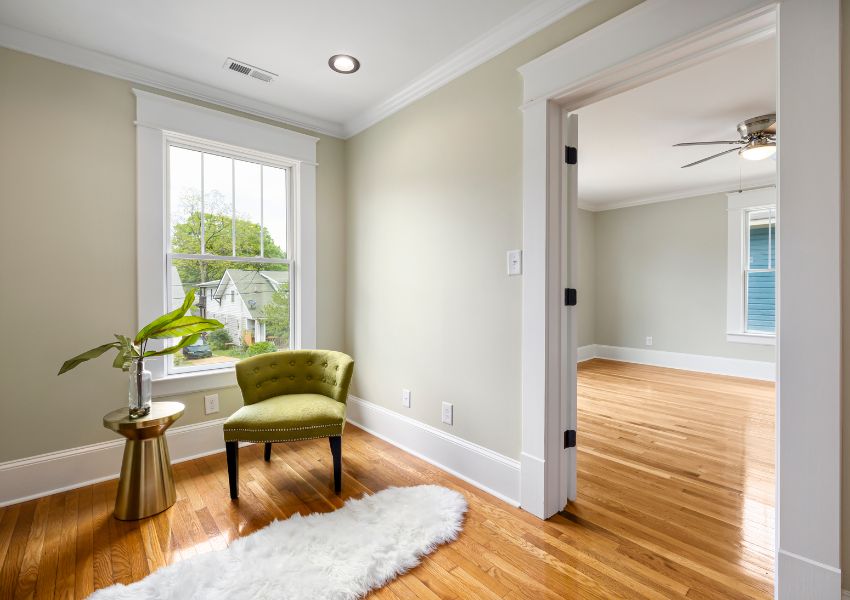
x,y
146,485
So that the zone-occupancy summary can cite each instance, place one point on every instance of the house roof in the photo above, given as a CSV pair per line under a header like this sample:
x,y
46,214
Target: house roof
x,y
256,288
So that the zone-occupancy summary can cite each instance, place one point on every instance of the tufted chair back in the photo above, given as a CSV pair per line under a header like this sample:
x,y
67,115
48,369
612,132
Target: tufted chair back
x,y
322,372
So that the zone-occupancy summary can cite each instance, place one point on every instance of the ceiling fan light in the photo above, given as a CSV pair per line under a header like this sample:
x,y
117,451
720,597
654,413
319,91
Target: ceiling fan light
x,y
758,150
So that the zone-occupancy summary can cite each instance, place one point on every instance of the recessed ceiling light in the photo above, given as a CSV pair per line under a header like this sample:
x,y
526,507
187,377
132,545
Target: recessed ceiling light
x,y
343,63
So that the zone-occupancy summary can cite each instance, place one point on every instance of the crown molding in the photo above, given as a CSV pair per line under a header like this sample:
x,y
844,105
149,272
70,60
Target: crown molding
x,y
510,32
718,188
76,56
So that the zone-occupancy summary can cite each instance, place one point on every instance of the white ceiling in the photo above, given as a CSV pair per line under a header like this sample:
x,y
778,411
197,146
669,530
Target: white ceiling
x,y
626,153
396,41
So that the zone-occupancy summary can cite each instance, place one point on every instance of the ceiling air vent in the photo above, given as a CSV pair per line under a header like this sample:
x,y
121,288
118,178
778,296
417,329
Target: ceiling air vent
x,y
248,70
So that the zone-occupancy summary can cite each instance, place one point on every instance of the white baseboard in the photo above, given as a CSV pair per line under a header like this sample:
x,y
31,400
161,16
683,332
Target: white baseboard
x,y
586,352
490,471
36,476
801,578
719,365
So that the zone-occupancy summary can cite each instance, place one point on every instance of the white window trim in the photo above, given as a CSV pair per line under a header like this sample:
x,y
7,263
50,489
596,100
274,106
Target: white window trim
x,y
738,205
156,118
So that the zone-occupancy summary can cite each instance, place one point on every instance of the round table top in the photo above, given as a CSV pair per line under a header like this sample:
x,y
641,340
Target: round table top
x,y
162,413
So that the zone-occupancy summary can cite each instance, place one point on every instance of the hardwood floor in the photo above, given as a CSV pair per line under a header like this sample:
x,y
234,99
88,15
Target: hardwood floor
x,y
675,501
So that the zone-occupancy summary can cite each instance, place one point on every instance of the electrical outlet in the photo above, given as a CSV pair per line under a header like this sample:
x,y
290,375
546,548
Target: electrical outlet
x,y
210,404
649,340
448,413
405,398
514,262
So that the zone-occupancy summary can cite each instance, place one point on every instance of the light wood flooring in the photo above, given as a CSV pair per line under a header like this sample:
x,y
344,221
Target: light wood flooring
x,y
675,501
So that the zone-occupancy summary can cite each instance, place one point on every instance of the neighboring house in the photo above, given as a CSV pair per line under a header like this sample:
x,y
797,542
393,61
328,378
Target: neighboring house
x,y
176,291
761,279
238,299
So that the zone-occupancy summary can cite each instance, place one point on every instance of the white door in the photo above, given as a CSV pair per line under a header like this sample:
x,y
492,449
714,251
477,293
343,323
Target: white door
x,y
569,323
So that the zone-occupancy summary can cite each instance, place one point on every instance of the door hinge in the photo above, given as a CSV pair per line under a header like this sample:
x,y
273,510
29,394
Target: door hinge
x,y
571,155
570,297
569,438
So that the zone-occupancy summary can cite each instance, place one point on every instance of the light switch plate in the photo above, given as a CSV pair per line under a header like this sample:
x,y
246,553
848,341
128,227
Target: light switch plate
x,y
405,398
649,340
448,413
514,262
210,404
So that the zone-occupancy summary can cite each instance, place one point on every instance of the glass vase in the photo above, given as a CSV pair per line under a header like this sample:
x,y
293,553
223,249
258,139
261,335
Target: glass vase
x,y
140,390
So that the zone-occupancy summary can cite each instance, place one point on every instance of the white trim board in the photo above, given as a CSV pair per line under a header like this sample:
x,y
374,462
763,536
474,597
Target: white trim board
x,y
717,365
806,578
36,476
518,27
45,474
91,60
642,44
487,470
719,188
586,353
510,32
160,119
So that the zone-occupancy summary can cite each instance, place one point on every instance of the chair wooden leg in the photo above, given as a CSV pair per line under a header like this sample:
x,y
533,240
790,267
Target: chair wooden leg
x,y
233,468
268,452
336,451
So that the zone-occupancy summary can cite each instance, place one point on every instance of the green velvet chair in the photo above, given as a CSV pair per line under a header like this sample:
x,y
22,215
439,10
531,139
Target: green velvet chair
x,y
289,396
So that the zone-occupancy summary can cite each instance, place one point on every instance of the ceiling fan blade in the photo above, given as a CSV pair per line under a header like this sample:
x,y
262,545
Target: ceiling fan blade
x,y
710,157
709,143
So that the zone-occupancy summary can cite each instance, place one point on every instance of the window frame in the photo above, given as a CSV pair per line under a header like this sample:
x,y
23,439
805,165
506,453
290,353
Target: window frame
x,y
233,153
739,205
159,119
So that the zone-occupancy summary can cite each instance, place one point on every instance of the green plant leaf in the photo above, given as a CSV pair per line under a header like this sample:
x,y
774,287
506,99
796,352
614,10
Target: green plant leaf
x,y
146,331
126,352
186,341
87,355
185,326
120,359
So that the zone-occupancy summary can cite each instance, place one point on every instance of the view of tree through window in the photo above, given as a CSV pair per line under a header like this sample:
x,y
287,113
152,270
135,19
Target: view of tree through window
x,y
228,239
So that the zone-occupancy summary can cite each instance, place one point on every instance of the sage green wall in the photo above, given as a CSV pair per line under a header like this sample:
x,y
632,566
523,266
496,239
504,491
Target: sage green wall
x,y
586,284
661,272
68,251
434,202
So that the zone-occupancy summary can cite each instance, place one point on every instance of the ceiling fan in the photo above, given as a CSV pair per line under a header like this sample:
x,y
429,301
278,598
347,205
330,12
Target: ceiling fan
x,y
758,140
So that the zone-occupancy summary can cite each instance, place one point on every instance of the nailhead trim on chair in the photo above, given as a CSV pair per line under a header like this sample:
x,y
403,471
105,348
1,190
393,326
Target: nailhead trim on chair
x,y
284,428
312,437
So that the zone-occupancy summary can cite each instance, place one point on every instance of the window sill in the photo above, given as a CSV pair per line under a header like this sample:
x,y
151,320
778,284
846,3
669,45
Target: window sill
x,y
187,383
764,339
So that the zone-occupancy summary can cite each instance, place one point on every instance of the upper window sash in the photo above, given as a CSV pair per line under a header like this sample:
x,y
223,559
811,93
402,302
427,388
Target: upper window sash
x,y
234,154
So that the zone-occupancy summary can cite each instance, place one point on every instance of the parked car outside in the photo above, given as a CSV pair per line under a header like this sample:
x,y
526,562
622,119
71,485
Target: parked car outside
x,y
198,350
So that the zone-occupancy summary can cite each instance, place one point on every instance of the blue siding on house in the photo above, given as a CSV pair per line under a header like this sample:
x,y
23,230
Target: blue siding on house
x,y
761,286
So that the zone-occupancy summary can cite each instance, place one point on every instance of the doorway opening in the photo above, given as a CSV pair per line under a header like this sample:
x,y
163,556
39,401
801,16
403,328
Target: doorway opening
x,y
675,329
612,59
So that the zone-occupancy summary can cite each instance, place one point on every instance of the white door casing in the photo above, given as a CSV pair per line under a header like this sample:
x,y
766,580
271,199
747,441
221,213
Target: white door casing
x,y
649,41
569,321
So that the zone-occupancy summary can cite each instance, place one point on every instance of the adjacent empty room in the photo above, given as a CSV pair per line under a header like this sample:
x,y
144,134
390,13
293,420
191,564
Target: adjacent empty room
x,y
676,312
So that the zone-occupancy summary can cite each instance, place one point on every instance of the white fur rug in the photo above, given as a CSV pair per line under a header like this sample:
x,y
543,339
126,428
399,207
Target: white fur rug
x,y
335,556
